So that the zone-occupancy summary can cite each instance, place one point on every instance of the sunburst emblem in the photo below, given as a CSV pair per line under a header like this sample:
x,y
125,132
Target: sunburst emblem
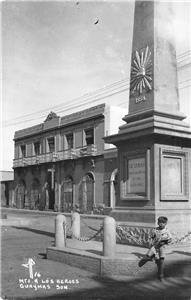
x,y
141,72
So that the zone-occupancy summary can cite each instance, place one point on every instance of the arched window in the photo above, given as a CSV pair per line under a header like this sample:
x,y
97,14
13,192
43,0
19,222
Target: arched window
x,y
67,195
35,194
88,192
20,193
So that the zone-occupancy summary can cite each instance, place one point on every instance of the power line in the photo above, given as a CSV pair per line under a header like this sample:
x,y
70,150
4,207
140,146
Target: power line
x,y
105,88
77,105
109,90
68,106
125,87
96,97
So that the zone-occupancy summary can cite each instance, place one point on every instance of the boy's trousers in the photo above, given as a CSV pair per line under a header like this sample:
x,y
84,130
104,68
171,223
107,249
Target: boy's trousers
x,y
158,252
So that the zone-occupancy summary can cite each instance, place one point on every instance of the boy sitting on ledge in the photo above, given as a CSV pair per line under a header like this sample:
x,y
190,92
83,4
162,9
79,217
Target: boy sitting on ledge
x,y
160,238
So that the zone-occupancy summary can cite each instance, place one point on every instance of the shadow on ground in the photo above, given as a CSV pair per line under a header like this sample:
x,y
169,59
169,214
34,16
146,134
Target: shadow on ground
x,y
97,252
139,255
37,231
182,252
43,255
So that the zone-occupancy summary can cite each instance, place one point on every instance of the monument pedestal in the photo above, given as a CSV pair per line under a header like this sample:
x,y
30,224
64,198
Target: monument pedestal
x,y
154,146
154,157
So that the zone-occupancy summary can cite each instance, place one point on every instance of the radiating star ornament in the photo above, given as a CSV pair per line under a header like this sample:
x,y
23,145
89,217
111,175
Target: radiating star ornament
x,y
141,72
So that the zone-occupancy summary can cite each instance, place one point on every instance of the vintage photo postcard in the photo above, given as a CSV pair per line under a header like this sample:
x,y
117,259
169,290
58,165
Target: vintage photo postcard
x,y
95,173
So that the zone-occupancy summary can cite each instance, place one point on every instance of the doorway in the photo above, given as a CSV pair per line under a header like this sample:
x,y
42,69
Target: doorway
x,y
67,195
35,194
51,191
113,188
88,192
20,194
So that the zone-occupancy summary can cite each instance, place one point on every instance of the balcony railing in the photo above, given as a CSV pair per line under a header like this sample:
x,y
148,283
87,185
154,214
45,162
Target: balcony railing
x,y
66,154
89,150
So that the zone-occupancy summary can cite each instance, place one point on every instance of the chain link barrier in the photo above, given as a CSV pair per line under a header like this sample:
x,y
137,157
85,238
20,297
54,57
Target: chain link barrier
x,y
82,239
122,234
94,229
177,240
128,234
87,239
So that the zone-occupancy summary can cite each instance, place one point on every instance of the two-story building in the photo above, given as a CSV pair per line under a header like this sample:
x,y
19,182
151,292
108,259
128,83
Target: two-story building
x,y
63,162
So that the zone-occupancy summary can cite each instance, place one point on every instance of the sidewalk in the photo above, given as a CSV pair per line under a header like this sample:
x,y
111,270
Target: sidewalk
x,y
45,220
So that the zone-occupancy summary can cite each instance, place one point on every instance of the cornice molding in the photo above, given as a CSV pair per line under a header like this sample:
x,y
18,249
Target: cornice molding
x,y
184,84
184,59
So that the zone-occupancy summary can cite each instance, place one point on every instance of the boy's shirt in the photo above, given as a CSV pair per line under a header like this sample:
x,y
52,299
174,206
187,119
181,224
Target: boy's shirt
x,y
159,235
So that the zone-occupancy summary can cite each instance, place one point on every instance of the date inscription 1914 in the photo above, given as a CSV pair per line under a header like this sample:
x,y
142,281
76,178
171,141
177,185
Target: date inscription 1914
x,y
140,99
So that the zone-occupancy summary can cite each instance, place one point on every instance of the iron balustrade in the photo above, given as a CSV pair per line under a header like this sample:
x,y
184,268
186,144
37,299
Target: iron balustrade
x,y
89,150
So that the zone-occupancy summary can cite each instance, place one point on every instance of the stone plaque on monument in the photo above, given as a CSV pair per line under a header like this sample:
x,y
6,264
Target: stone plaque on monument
x,y
136,176
172,181
174,175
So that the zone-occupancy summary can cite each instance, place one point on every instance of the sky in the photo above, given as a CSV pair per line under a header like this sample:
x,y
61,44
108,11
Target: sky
x,y
56,51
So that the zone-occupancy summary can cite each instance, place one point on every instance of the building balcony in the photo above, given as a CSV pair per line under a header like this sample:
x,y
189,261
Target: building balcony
x,y
33,160
66,154
89,150
18,162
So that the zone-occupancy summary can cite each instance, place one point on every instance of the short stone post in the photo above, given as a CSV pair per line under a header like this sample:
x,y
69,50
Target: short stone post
x,y
60,231
76,225
109,237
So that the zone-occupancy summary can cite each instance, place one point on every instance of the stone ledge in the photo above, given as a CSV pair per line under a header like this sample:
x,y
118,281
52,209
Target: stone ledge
x,y
109,267
100,265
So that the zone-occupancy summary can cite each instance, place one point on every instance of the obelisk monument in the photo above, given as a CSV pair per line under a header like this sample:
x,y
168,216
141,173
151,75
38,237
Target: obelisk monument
x,y
154,146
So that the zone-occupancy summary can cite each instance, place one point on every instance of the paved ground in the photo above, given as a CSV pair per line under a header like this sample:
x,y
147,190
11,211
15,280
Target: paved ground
x,y
54,280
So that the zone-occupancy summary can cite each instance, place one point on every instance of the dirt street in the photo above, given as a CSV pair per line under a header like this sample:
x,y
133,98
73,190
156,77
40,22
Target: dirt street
x,y
54,280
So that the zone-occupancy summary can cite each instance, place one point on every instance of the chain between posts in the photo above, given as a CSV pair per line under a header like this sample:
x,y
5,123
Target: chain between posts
x,y
181,239
120,231
83,239
94,229
121,234
127,235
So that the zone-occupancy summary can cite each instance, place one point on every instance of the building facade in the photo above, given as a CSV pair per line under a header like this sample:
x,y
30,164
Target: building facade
x,y
7,188
60,163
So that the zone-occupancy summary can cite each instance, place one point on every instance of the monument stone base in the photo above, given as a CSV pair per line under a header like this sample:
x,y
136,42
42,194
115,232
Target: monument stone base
x,y
179,222
154,157
125,263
